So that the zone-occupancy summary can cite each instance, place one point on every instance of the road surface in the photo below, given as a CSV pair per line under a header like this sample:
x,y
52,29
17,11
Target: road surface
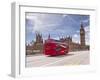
x,y
72,58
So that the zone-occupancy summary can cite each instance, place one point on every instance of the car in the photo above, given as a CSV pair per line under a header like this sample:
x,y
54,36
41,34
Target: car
x,y
55,47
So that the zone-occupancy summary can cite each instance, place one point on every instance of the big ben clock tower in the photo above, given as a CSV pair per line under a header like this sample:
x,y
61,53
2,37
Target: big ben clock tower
x,y
82,35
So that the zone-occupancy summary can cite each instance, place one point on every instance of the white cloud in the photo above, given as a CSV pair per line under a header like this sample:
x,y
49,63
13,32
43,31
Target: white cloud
x,y
87,29
75,35
43,22
78,31
76,38
46,23
28,42
87,35
72,20
85,21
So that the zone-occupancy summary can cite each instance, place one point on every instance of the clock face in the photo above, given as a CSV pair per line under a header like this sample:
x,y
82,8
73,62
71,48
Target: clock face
x,y
82,32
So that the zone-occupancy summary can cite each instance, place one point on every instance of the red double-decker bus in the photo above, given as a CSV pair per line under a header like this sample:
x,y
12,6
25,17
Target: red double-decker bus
x,y
54,47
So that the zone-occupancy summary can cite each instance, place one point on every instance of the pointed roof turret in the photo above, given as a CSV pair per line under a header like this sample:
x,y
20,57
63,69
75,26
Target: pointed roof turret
x,y
49,36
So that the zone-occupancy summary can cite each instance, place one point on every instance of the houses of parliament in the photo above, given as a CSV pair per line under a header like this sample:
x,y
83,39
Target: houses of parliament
x,y
37,46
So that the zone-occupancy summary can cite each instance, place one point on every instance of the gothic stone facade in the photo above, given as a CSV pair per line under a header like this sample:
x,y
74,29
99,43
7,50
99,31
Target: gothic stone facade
x,y
37,46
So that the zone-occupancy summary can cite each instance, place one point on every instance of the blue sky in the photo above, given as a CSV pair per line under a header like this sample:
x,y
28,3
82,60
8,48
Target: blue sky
x,y
57,25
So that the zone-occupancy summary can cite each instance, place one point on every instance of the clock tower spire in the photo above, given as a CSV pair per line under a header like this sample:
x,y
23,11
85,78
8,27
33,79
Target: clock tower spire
x,y
82,35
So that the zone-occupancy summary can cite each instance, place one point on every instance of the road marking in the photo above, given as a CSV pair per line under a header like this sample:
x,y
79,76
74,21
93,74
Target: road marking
x,y
75,62
53,62
42,61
